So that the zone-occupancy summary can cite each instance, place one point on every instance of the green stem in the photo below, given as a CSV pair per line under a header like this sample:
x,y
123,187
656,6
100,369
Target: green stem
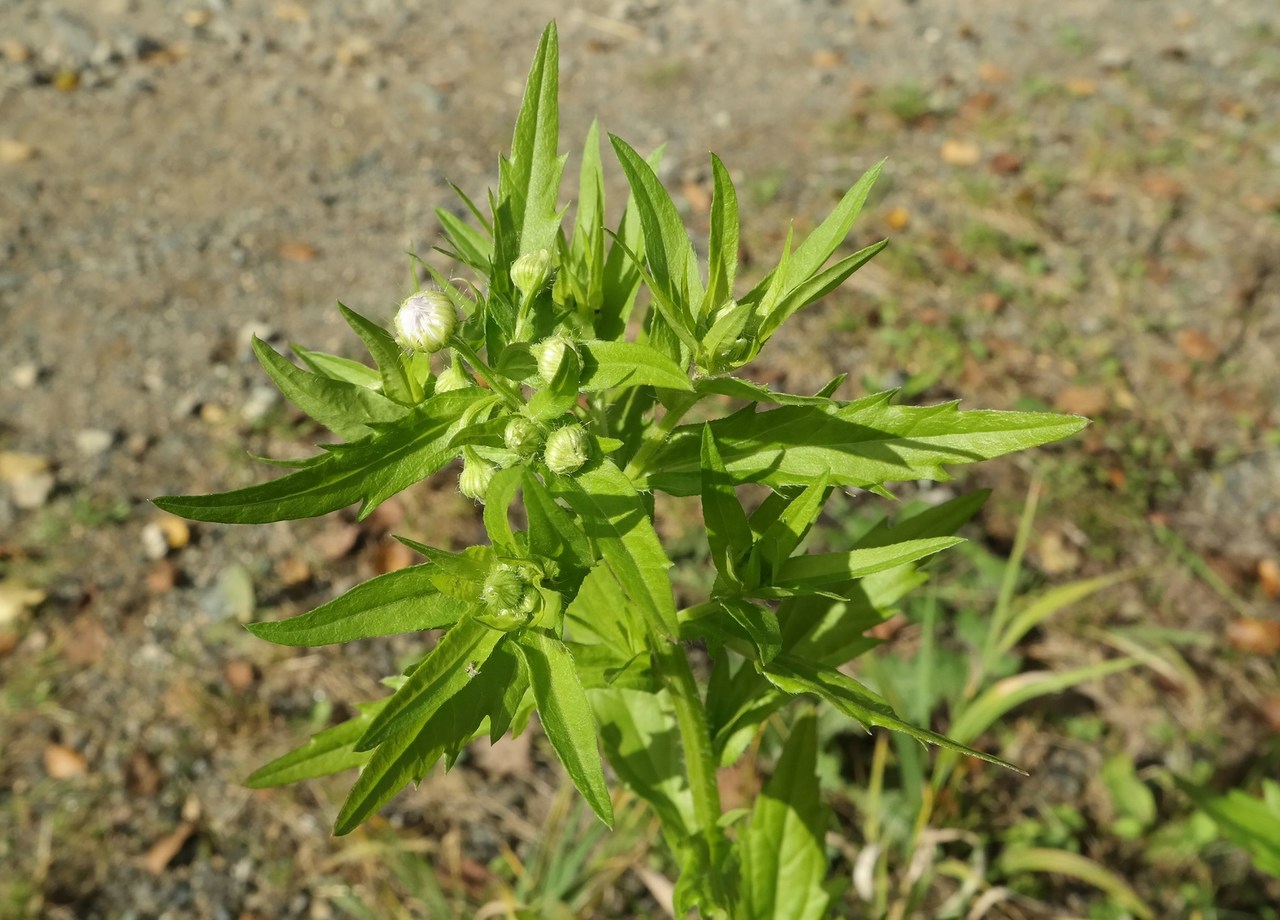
x,y
486,373
660,432
700,764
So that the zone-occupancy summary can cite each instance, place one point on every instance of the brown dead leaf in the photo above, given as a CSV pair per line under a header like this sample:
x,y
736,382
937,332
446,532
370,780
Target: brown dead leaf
x,y
86,641
827,59
292,570
1005,164
1162,186
298,252
1086,401
1082,86
8,642
1196,345
960,153
1269,577
142,778
162,852
1253,635
897,218
992,73
62,762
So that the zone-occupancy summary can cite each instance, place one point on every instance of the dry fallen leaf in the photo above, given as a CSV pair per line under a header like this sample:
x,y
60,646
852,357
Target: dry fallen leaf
x,y
62,762
1250,634
1082,86
1196,345
292,570
1005,164
960,153
1269,577
166,848
1086,401
298,252
992,73
392,556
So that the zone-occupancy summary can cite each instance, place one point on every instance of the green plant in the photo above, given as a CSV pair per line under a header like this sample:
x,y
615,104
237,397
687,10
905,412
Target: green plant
x,y
586,388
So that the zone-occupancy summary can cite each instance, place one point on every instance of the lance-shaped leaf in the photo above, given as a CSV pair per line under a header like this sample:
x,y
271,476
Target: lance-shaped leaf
x,y
338,368
629,364
819,569
759,623
782,537
621,281
566,716
473,248
397,382
329,751
370,470
340,406
723,245
783,850
398,602
794,675
553,533
497,504
615,518
728,532
817,287
862,443
446,670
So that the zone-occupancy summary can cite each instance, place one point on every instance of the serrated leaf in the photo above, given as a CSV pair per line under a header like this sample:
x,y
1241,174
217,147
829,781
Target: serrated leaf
x,y
327,752
370,470
397,383
817,569
629,364
566,716
782,537
783,849
340,406
728,533
614,517
403,601
862,443
465,647
794,675
338,368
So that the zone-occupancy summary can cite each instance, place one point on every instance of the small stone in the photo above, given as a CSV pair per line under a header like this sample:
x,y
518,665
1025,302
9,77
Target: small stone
x,y
14,51
292,571
91,442
1114,57
960,153
25,375
177,533
154,543
212,413
12,151
196,19
262,399
62,762
898,218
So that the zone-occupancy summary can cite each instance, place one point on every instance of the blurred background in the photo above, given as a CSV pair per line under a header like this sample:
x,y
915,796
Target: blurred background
x,y
1083,200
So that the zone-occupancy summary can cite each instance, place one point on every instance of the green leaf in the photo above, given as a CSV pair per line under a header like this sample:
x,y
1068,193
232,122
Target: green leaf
x,y
440,675
760,624
642,743
817,287
566,716
329,751
794,675
723,247
474,248
561,394
398,761
553,533
497,504
728,532
667,247
783,850
398,602
614,516
587,246
340,406
820,569
754,392
629,364
782,537
397,382
1016,860
862,443
937,521
531,177
1250,823
621,282
370,470
339,368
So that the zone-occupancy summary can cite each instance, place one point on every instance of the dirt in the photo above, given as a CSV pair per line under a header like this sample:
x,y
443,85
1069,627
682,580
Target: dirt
x,y
1084,199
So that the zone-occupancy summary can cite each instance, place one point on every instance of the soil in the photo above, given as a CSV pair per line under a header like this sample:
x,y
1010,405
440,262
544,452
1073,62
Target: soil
x,y
1084,199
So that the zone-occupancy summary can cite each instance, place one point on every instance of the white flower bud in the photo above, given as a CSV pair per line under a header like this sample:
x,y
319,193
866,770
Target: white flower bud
x,y
531,271
567,449
549,353
522,436
426,321
475,478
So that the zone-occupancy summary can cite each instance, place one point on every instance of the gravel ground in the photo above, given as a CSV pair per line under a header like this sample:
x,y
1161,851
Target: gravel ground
x,y
1085,202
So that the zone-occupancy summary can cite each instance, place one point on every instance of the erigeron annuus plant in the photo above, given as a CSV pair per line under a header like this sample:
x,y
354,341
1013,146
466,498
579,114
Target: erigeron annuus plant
x,y
563,389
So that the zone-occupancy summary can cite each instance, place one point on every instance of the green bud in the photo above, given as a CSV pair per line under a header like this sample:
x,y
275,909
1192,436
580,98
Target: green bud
x,y
475,478
531,271
426,321
454,377
522,436
510,598
549,354
567,449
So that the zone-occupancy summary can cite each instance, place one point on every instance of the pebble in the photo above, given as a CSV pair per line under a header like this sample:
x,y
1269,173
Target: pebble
x,y
92,442
31,492
262,399
25,375
12,151
154,543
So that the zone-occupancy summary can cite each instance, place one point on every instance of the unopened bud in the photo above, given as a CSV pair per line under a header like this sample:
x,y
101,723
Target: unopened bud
x,y
510,597
567,449
531,271
426,321
549,354
522,436
475,478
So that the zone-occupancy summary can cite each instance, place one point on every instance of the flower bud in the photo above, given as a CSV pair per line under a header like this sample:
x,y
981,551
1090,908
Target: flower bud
x,y
549,354
475,478
531,271
426,321
510,597
522,436
453,377
567,449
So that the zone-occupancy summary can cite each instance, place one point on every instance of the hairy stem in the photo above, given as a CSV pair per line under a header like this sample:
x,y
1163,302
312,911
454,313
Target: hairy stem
x,y
660,432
